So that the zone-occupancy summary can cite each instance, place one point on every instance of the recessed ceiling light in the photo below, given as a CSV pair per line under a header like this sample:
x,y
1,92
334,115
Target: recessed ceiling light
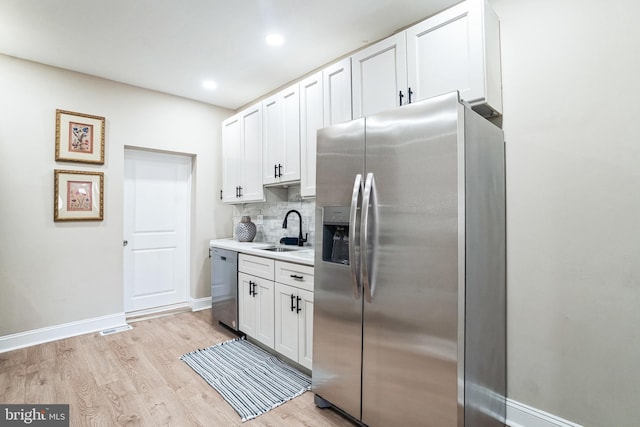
x,y
209,84
274,39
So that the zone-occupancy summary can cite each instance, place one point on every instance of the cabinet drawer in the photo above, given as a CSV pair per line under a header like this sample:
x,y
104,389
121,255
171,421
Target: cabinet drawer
x,y
300,276
256,266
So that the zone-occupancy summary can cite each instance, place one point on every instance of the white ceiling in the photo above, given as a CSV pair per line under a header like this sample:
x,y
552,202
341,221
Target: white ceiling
x,y
172,46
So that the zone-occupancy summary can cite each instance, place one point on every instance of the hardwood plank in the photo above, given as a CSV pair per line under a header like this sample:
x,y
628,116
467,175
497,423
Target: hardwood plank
x,y
13,384
136,378
128,409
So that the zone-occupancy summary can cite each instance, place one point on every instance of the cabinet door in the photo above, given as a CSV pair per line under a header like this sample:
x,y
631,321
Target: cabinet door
x,y
380,76
290,135
246,304
252,189
281,129
305,329
264,311
231,158
311,119
272,133
336,80
286,321
458,49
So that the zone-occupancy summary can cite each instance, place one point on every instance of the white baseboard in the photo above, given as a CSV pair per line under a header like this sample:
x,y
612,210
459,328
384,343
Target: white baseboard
x,y
58,332
521,415
198,304
154,311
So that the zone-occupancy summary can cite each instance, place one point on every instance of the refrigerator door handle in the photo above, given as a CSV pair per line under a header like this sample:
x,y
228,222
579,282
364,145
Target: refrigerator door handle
x,y
367,198
353,261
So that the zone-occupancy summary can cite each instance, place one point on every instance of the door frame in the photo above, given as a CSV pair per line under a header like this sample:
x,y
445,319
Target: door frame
x,y
189,220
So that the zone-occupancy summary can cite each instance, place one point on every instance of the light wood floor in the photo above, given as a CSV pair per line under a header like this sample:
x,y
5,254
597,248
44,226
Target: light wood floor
x,y
135,378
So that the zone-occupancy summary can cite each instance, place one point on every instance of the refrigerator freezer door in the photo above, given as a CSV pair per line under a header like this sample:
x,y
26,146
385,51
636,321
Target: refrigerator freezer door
x,y
410,327
485,268
337,324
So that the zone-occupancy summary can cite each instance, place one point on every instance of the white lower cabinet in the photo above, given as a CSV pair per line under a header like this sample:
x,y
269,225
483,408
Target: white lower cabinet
x,y
255,298
294,324
275,305
255,308
294,312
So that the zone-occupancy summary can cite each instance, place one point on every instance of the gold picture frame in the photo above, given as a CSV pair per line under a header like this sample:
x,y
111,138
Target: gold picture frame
x,y
78,196
79,137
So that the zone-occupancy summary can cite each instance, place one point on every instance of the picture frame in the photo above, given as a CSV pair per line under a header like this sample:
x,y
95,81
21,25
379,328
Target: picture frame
x,y
78,196
79,137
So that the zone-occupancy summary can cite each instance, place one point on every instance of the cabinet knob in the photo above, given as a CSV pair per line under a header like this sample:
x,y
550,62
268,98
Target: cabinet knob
x,y
295,276
292,306
298,309
401,96
410,92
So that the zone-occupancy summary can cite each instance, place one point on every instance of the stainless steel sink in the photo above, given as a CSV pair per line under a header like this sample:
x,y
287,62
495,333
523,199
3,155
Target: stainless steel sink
x,y
281,249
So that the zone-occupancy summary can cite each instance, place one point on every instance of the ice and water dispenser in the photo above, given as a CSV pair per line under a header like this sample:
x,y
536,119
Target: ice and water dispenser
x,y
335,234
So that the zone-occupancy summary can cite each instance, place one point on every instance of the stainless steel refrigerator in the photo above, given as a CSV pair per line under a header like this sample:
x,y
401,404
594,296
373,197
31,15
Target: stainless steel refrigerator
x,y
409,298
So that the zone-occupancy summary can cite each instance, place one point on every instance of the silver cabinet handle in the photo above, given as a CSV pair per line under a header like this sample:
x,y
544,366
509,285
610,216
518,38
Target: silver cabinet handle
x,y
368,202
353,260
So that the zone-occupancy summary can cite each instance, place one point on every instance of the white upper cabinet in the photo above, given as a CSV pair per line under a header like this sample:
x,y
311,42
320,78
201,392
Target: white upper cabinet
x,y
336,82
458,49
325,99
274,142
281,127
242,157
231,158
252,165
380,76
311,119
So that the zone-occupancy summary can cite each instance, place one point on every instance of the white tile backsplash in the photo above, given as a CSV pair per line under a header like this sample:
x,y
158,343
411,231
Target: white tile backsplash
x,y
278,202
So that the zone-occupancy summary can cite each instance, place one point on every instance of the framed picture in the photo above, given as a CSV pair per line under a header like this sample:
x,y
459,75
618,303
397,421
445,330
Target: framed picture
x,y
79,137
78,196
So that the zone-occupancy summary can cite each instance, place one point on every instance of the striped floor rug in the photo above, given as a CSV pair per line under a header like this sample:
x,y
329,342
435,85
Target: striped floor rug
x,y
251,380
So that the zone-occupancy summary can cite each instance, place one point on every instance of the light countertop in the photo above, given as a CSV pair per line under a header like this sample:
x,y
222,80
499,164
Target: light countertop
x,y
303,256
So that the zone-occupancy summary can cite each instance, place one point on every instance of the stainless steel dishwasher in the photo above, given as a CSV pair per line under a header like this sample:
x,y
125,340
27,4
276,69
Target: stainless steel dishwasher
x,y
224,287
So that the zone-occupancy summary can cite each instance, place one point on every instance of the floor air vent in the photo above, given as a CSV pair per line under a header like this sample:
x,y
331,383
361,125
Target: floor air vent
x,y
116,330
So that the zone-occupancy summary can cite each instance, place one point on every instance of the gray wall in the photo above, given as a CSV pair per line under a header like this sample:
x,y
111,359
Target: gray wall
x,y
571,75
55,273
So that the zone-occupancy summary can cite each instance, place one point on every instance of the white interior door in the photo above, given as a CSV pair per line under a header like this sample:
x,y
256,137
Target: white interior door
x,y
157,198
